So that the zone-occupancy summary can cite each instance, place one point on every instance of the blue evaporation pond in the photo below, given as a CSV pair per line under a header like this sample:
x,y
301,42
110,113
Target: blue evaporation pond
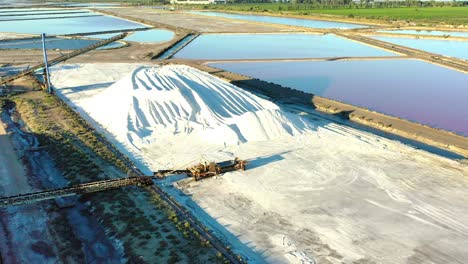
x,y
269,46
451,48
283,20
68,25
427,32
411,89
28,14
13,19
5,12
27,10
53,43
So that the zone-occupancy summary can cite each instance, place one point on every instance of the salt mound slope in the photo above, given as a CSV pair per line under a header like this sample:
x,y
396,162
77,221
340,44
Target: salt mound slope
x,y
161,103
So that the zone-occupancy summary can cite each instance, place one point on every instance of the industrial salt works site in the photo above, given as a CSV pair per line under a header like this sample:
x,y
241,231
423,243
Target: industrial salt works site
x,y
180,134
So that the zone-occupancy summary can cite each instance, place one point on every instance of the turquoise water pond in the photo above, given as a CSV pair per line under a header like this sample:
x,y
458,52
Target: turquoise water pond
x,y
32,10
10,12
149,36
13,19
406,88
451,48
68,25
283,20
268,46
54,43
427,32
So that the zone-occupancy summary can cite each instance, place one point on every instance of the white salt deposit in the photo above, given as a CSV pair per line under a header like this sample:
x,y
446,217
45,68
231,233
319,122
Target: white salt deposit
x,y
314,191
154,106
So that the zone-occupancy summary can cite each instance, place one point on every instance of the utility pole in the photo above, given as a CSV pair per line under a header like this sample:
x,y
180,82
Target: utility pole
x,y
46,65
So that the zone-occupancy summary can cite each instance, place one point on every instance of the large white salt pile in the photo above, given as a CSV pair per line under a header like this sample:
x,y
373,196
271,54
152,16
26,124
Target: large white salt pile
x,y
333,195
154,107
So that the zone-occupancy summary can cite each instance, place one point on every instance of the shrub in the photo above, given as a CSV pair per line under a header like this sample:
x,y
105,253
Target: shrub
x,y
43,248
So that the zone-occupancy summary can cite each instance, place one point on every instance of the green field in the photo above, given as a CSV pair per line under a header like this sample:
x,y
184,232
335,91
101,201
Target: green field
x,y
446,14
440,12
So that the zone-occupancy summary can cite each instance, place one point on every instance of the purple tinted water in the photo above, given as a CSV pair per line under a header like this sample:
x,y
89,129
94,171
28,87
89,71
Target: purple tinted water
x,y
410,89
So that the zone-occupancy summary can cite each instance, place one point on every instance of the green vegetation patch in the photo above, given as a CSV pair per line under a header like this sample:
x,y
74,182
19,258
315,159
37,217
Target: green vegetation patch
x,y
444,14
458,15
151,233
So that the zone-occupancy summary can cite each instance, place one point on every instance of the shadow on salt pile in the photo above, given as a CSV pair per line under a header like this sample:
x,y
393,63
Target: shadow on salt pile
x,y
90,87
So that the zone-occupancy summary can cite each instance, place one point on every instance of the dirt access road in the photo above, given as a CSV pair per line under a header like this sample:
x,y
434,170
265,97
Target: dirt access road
x,y
19,224
12,173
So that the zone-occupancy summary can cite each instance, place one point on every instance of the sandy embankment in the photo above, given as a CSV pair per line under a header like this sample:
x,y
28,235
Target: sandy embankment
x,y
314,191
12,172
8,35
20,227
40,232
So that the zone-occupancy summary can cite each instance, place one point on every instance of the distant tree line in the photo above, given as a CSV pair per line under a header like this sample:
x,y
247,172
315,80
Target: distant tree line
x,y
311,4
